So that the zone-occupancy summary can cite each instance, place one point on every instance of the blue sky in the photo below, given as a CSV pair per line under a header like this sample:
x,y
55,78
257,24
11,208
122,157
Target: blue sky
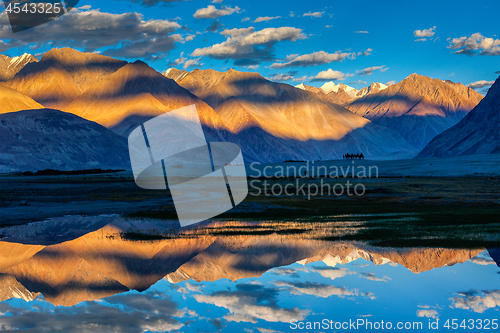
x,y
306,41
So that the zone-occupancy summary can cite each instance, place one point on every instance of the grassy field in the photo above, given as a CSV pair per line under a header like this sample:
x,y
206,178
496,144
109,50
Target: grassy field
x,y
404,211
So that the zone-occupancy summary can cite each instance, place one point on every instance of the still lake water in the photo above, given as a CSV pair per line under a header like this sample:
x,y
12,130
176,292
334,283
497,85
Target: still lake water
x,y
77,274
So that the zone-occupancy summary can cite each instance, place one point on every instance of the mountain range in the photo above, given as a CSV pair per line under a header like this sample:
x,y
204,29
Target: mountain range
x,y
477,133
51,139
418,108
274,122
270,121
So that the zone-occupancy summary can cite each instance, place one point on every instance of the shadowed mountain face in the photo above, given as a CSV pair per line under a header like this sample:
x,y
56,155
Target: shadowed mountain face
x,y
418,108
62,75
270,121
135,93
275,122
101,263
51,139
11,66
478,133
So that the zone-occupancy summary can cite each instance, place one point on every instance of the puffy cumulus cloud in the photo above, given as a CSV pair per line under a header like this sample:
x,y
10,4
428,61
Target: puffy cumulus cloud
x,y
280,77
370,70
333,273
480,84
372,277
192,287
425,33
315,289
249,302
249,47
428,313
475,44
236,32
212,12
265,18
285,271
127,313
313,59
330,75
313,14
300,78
192,63
125,35
477,301
178,61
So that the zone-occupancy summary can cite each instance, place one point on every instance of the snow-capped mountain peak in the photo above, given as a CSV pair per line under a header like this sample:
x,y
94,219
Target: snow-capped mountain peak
x,y
330,86
374,87
301,86
20,60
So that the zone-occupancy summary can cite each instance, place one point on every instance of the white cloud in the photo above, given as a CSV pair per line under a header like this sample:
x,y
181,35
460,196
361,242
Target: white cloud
x,y
192,288
425,33
370,70
237,31
212,12
180,60
126,35
480,84
248,306
475,42
291,14
315,289
388,83
328,26
313,14
313,59
265,18
280,77
245,19
358,82
330,75
249,47
192,63
361,32
428,313
421,40
477,302
372,277
217,1
334,273
300,78
253,66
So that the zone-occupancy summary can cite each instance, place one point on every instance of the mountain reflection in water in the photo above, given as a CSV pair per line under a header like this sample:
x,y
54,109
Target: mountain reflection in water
x,y
78,273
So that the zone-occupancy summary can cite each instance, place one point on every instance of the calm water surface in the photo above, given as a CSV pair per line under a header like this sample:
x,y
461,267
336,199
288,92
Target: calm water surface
x,y
77,274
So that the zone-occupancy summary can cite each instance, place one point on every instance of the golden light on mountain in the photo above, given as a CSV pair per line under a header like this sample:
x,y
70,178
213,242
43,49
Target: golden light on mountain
x,y
12,100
